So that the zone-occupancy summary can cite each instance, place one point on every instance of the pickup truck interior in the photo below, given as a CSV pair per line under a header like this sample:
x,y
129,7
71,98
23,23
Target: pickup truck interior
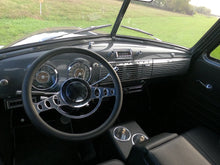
x,y
110,100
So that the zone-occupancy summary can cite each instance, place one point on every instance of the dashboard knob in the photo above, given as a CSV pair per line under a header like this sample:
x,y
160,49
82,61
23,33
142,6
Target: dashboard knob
x,y
3,82
95,65
139,52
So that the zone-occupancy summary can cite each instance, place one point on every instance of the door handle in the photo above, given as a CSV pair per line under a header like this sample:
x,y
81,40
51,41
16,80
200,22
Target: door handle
x,y
207,86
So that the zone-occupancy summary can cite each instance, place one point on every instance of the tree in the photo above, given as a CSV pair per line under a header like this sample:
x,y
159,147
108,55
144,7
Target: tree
x,y
203,10
181,6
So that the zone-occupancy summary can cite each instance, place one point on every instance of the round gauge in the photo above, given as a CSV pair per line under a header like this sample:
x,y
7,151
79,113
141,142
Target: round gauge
x,y
79,70
45,78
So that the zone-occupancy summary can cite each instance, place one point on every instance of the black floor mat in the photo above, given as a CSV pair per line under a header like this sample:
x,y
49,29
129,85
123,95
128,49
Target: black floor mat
x,y
33,148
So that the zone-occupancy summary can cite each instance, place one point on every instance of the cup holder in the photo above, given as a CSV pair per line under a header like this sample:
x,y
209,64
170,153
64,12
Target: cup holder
x,y
122,133
139,138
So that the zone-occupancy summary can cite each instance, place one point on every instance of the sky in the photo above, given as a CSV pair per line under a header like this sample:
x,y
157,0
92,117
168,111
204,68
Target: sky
x,y
214,5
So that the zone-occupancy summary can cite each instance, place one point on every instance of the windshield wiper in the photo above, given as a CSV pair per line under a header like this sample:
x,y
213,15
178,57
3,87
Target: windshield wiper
x,y
141,31
91,28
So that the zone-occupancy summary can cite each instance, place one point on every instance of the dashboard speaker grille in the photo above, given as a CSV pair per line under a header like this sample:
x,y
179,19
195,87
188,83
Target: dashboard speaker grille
x,y
129,72
169,68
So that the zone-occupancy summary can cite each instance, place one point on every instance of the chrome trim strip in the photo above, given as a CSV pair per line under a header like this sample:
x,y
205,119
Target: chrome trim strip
x,y
169,60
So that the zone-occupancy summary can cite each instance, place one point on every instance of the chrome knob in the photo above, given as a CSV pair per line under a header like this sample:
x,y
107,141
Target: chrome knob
x,y
3,82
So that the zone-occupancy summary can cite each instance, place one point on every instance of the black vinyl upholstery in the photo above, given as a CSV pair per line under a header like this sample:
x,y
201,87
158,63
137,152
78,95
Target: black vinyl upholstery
x,y
112,162
1,163
206,142
199,146
178,151
159,139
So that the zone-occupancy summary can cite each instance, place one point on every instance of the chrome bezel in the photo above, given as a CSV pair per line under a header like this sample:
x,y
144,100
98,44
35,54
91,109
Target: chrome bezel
x,y
132,139
55,82
121,139
81,62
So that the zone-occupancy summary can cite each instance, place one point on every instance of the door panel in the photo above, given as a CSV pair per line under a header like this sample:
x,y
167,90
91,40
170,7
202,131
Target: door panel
x,y
201,93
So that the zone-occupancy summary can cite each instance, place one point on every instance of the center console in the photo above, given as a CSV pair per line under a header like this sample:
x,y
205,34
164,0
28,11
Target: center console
x,y
125,136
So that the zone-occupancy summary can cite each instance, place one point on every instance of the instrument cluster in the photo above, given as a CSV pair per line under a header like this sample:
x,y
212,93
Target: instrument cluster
x,y
47,76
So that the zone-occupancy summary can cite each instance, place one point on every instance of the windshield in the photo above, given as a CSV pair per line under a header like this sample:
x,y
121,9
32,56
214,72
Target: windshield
x,y
181,22
51,18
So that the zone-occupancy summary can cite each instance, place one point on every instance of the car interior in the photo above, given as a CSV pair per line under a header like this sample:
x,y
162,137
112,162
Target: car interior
x,y
110,100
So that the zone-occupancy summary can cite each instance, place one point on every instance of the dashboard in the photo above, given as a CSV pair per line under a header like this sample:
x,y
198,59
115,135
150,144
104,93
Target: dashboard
x,y
135,62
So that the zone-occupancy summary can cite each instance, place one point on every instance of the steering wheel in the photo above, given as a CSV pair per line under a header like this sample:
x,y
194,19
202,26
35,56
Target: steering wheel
x,y
74,93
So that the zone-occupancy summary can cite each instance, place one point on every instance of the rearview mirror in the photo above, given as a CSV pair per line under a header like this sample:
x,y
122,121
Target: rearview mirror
x,y
144,0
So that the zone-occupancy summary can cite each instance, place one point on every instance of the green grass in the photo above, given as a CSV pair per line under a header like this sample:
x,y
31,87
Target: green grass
x,y
216,53
181,30
21,17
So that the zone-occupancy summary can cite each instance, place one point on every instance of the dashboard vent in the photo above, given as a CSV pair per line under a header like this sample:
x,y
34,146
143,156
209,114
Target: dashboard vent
x,y
16,103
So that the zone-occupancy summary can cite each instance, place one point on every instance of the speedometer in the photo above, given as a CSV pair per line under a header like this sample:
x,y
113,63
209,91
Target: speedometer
x,y
45,78
79,70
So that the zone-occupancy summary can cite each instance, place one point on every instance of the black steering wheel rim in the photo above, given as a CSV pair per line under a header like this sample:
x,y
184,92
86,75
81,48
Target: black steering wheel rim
x,y
41,124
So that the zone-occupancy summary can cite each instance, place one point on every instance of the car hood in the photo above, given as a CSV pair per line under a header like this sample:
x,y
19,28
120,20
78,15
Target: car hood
x,y
50,34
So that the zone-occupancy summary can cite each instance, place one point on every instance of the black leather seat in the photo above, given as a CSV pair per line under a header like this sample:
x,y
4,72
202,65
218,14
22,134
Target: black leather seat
x,y
199,146
112,162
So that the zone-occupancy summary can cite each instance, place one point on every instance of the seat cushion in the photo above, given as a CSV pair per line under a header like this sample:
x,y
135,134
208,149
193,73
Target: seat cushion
x,y
198,146
112,162
159,139
177,152
205,142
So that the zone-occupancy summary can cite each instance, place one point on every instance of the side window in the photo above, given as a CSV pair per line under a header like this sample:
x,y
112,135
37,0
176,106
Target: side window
x,y
216,53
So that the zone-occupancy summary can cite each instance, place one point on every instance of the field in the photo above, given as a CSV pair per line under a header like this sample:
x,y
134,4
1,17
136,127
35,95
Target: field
x,y
21,17
216,53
